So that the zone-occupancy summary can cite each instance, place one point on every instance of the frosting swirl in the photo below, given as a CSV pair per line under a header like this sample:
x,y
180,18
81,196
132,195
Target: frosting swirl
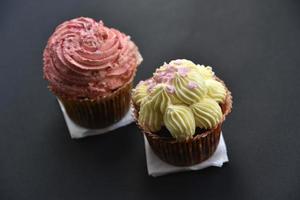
x,y
207,113
189,89
85,59
216,90
159,98
139,93
150,118
205,72
180,121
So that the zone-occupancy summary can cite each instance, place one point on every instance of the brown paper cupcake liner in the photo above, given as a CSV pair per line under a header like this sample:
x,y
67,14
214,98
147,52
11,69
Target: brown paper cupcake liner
x,y
99,113
188,152
191,151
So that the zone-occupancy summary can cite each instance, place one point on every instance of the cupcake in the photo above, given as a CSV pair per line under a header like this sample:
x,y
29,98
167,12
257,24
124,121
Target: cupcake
x,y
180,110
90,69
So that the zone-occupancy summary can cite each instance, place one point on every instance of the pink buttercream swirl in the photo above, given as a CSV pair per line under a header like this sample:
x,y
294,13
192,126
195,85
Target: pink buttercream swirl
x,y
85,59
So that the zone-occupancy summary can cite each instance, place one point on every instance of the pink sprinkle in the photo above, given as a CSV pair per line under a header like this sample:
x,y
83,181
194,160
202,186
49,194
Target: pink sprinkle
x,y
171,69
101,23
170,89
183,71
151,85
165,76
192,85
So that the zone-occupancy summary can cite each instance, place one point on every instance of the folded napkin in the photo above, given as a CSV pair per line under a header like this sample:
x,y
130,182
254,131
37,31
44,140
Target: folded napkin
x,y
157,167
77,131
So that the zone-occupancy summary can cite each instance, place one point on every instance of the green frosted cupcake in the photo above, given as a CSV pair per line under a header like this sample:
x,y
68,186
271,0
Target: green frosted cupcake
x,y
180,110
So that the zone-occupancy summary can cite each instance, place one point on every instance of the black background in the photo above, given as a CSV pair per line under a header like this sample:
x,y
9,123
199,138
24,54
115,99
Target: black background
x,y
252,45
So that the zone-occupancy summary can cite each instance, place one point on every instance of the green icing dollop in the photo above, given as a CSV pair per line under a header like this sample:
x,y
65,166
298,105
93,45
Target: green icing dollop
x,y
149,118
159,98
180,121
186,93
216,90
207,113
140,93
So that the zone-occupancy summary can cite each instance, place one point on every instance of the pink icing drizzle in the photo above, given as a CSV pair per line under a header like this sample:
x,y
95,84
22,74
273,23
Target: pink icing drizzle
x,y
85,59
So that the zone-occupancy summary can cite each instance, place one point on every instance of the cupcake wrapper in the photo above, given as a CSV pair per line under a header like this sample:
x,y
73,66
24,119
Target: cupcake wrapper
x,y
99,113
191,151
188,152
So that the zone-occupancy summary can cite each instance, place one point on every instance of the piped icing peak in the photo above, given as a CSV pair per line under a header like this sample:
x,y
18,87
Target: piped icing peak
x,y
216,90
207,113
180,96
180,121
85,59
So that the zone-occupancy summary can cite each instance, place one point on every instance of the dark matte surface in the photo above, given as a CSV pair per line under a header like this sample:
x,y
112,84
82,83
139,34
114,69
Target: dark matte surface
x,y
253,46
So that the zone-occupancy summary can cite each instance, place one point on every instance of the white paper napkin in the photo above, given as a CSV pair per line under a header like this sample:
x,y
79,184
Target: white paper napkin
x,y
77,131
157,167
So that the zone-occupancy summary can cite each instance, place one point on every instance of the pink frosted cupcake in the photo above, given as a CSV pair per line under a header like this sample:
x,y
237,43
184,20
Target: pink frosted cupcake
x,y
90,68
